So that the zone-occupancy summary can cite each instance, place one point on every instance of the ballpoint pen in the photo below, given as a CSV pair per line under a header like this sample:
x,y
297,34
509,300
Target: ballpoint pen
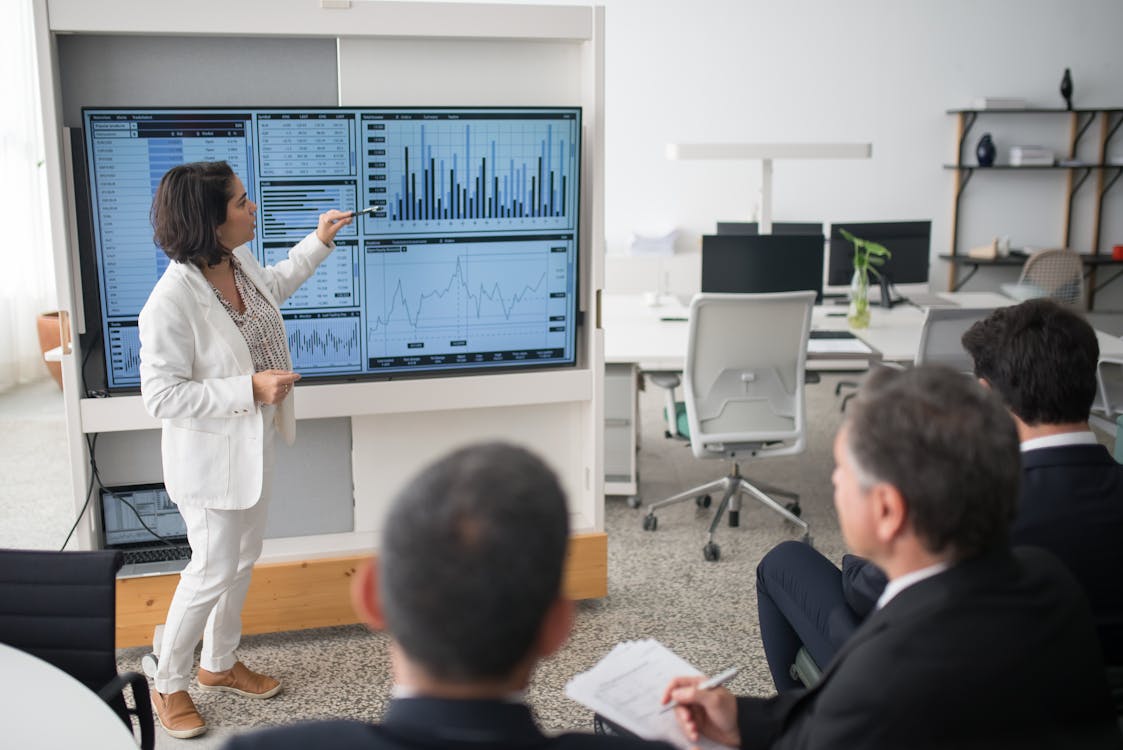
x,y
718,679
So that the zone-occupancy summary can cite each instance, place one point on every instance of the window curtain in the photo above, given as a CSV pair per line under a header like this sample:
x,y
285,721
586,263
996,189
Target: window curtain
x,y
26,262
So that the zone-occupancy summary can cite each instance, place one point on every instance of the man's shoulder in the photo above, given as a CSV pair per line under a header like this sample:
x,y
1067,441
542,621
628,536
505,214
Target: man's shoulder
x,y
356,735
341,734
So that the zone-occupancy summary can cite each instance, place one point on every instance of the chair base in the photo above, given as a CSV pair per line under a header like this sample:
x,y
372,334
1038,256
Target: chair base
x,y
732,487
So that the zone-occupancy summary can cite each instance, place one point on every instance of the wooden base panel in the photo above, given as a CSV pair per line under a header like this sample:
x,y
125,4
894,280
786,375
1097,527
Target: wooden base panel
x,y
316,593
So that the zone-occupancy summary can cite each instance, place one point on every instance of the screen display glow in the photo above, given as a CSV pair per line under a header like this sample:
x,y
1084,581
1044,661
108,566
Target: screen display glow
x,y
470,263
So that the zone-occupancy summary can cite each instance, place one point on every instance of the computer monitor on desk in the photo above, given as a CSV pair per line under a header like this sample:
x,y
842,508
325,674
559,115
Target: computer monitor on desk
x,y
909,243
754,264
778,227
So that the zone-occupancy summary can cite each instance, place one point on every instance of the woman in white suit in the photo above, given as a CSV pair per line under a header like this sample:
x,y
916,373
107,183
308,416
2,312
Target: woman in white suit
x,y
215,368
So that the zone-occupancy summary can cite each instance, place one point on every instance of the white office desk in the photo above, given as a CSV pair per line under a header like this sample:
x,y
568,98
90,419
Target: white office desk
x,y
640,337
44,707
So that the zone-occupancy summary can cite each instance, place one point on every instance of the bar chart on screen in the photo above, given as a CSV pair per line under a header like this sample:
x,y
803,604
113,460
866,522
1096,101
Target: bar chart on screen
x,y
482,172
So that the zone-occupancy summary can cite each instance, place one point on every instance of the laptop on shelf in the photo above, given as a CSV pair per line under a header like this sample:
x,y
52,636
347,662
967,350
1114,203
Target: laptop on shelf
x,y
143,522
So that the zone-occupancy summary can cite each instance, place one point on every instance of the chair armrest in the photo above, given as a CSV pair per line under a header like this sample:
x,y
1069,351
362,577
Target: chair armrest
x,y
141,699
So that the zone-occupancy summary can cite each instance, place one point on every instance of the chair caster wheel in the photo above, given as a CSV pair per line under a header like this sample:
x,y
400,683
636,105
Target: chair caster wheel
x,y
794,509
667,434
703,501
634,501
650,522
148,664
711,552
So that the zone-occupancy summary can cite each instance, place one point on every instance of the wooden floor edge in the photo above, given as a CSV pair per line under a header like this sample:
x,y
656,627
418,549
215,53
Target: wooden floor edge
x,y
316,593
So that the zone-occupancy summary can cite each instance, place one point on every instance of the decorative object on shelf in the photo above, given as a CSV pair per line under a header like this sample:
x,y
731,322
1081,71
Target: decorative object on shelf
x,y
985,151
867,257
1066,88
50,337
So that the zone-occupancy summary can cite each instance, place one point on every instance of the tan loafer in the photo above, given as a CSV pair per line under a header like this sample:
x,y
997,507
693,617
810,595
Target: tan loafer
x,y
178,715
239,679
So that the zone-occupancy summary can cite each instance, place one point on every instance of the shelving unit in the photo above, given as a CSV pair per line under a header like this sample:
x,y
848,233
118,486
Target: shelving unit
x,y
378,433
1077,173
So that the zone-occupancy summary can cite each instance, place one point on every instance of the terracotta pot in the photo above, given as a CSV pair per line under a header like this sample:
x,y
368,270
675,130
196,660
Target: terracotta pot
x,y
50,336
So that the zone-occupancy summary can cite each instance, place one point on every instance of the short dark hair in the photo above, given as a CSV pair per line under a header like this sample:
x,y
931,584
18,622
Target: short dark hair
x,y
189,205
948,446
471,560
1040,358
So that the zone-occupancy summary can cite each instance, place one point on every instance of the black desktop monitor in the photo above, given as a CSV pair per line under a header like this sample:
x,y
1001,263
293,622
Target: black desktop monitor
x,y
909,242
778,227
753,264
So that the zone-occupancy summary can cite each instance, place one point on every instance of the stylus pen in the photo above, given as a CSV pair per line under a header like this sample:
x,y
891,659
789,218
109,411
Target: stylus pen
x,y
368,210
718,679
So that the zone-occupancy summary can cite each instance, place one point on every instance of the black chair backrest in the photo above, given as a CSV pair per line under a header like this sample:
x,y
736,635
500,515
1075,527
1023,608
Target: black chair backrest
x,y
61,607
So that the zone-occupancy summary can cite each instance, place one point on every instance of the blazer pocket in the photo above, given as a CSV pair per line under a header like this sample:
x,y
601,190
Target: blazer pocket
x,y
196,466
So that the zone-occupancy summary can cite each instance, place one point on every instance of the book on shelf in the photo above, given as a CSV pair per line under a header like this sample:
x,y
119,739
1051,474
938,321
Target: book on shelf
x,y
1031,156
626,687
998,102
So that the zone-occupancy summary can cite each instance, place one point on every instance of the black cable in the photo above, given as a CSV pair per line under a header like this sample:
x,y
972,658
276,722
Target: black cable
x,y
91,443
120,497
89,491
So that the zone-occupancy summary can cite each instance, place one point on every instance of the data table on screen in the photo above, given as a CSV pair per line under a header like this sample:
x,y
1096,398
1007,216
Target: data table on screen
x,y
334,284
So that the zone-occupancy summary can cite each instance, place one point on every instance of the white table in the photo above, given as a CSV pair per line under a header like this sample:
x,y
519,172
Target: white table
x,y
641,337
43,707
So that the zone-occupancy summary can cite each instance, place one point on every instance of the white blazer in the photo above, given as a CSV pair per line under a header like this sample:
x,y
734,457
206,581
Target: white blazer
x,y
195,375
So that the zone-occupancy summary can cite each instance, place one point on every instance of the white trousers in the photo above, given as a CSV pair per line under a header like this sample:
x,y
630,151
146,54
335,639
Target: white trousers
x,y
208,601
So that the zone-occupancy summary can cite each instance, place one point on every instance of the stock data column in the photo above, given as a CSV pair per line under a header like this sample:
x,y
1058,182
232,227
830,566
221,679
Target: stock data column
x,y
129,154
308,166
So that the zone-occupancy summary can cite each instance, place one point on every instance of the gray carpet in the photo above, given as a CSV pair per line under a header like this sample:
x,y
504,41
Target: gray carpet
x,y
659,587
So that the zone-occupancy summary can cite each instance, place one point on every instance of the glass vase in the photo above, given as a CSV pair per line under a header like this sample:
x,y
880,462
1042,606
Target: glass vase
x,y
859,314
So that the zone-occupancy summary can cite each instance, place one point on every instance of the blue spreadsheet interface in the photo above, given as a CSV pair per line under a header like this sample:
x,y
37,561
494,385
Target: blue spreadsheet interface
x,y
470,261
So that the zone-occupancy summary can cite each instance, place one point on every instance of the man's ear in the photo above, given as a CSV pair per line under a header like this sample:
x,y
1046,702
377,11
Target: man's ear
x,y
364,595
556,626
890,512
984,383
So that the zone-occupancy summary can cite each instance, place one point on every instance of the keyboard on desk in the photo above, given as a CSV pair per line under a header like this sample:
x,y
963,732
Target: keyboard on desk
x,y
817,334
156,554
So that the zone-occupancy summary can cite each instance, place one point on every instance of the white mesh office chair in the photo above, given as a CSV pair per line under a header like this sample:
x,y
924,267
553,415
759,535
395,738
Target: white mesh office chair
x,y
743,386
942,334
1057,273
940,340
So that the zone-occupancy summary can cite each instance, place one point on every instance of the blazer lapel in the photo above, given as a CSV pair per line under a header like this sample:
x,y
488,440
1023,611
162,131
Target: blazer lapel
x,y
216,316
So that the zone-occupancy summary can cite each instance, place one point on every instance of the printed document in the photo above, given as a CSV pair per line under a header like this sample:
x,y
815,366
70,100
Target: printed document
x,y
627,685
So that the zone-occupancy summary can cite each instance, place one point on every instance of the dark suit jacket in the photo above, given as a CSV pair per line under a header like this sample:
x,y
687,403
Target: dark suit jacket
x,y
996,652
435,724
1072,505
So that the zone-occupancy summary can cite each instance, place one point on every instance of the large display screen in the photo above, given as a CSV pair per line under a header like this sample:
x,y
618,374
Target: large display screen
x,y
470,264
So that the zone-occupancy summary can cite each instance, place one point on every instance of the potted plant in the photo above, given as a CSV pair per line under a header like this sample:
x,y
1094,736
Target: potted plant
x,y
868,256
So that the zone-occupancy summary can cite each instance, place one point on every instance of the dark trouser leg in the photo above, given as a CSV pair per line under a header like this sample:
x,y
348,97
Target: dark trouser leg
x,y
800,603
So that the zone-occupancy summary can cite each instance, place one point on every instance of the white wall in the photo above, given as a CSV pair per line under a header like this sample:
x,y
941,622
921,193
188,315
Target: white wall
x,y
882,71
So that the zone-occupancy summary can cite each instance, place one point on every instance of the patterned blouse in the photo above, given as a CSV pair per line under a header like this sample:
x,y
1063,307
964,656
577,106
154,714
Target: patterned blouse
x,y
261,324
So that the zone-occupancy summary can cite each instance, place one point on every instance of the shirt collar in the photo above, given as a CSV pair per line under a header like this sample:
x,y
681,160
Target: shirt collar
x,y
1081,437
404,691
899,584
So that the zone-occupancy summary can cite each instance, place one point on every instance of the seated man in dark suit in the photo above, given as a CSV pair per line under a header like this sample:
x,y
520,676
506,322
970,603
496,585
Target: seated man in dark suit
x,y
468,584
1040,358
971,644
